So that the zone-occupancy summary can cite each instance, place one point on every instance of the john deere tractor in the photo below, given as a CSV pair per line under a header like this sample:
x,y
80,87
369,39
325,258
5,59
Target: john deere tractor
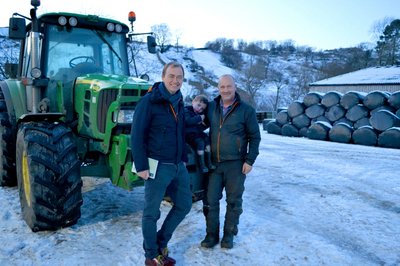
x,y
66,112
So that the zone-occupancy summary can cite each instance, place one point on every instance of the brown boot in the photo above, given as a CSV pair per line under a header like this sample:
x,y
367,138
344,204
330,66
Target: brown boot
x,y
157,261
165,253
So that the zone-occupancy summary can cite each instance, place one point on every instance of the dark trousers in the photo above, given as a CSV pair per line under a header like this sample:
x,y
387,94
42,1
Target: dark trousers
x,y
228,175
176,181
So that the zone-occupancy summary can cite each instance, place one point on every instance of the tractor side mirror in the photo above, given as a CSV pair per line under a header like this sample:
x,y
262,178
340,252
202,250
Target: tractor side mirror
x,y
151,44
17,29
11,70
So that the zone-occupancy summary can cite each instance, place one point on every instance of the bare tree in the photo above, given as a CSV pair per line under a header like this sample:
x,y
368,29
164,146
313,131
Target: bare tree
x,y
9,53
253,76
177,34
280,79
163,35
378,27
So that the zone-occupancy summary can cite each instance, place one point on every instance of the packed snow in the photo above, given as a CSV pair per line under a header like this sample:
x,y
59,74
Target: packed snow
x,y
307,202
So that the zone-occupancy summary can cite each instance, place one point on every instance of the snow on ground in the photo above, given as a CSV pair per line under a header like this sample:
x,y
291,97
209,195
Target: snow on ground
x,y
307,202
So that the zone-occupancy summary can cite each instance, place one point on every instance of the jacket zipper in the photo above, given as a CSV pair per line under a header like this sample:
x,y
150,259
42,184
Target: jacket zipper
x,y
221,122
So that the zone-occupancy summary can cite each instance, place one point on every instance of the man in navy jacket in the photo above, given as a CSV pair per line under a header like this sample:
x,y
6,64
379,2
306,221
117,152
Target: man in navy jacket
x,y
158,132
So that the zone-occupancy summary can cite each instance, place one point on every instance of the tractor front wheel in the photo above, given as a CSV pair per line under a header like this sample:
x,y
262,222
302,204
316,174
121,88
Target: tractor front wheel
x,y
48,173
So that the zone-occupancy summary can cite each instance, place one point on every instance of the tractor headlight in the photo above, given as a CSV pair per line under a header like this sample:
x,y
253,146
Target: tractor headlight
x,y
73,21
118,28
110,26
125,116
62,20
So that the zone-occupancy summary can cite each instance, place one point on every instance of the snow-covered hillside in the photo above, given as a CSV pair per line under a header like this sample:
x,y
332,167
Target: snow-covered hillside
x,y
306,202
204,67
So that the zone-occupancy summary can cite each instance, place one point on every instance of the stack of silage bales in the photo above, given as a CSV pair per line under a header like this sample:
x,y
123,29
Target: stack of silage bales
x,y
353,117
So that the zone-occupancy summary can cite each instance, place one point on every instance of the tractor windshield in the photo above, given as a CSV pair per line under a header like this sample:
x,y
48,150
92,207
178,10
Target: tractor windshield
x,y
72,52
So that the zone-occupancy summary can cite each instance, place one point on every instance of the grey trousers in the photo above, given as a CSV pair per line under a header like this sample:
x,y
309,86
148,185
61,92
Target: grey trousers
x,y
228,175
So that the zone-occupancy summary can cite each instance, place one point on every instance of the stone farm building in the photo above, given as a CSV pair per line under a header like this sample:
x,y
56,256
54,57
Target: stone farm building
x,y
364,80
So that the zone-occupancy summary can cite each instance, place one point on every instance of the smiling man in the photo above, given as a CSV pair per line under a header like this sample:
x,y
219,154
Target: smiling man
x,y
235,138
158,132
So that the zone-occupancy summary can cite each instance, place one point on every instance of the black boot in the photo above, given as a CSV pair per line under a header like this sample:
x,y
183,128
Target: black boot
x,y
202,165
208,161
210,241
227,241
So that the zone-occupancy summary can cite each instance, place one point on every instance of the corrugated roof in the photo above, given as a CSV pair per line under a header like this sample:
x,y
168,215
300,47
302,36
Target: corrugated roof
x,y
371,76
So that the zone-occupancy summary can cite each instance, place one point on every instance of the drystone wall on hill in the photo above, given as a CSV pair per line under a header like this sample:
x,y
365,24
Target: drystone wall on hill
x,y
354,117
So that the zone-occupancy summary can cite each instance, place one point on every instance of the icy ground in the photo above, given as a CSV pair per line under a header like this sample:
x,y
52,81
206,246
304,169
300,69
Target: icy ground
x,y
306,202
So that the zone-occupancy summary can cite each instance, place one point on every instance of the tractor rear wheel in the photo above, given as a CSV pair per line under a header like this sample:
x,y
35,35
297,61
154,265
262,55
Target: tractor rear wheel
x,y
48,173
8,175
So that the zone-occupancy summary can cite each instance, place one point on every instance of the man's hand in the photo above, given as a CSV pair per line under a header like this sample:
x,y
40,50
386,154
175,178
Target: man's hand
x,y
246,168
144,174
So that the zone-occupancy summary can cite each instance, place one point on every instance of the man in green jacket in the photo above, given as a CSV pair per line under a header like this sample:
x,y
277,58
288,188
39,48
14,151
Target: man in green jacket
x,y
235,138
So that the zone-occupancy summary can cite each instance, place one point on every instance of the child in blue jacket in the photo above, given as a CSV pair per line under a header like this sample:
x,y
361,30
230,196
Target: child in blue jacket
x,y
195,136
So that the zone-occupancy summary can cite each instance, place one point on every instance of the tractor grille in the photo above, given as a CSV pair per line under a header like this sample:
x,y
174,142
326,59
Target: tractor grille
x,y
105,99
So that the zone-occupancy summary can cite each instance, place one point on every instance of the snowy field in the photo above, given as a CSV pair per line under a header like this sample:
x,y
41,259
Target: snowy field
x,y
306,202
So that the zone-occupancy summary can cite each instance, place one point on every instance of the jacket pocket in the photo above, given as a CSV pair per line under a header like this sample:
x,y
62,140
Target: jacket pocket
x,y
239,145
157,139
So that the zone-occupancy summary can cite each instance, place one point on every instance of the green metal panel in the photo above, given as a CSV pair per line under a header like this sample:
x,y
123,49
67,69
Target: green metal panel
x,y
18,96
120,160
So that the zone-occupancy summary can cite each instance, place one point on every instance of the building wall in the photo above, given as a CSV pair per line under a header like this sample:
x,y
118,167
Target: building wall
x,y
359,88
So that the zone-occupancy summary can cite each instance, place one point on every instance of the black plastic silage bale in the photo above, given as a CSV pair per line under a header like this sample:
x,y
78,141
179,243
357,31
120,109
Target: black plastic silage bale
x,y
365,135
335,112
274,128
383,107
394,100
344,120
341,132
265,123
290,130
295,108
383,120
362,122
357,112
375,99
390,138
331,98
315,110
319,130
312,98
282,117
320,118
351,98
301,121
303,132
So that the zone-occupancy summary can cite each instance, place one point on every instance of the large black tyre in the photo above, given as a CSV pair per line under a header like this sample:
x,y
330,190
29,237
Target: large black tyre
x,y
8,176
48,173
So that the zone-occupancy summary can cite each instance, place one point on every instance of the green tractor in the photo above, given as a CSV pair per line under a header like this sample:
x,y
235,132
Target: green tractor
x,y
66,112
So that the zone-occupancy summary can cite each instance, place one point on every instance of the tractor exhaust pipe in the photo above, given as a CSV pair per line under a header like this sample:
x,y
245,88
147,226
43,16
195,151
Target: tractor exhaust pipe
x,y
35,53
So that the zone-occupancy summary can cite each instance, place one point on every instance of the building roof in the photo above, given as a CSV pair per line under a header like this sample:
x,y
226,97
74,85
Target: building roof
x,y
4,31
368,76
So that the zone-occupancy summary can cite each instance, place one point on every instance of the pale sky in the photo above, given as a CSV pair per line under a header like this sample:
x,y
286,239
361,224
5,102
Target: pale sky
x,y
323,24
